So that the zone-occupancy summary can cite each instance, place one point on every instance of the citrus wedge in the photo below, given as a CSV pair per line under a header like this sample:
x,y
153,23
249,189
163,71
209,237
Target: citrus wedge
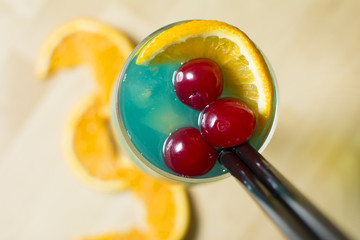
x,y
89,42
166,204
244,68
167,211
91,150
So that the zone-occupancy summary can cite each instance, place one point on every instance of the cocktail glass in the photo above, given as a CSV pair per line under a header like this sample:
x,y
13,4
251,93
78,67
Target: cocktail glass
x,y
141,90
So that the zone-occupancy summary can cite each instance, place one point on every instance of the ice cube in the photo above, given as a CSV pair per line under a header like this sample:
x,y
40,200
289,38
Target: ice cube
x,y
163,118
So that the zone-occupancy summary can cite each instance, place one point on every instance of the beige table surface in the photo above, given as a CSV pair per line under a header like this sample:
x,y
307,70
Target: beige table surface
x,y
314,47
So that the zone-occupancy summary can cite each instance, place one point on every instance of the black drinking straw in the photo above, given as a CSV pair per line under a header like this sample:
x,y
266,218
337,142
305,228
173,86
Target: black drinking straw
x,y
284,204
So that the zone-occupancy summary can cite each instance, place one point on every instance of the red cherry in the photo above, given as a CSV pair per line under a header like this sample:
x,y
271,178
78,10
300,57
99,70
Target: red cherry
x,y
186,153
198,82
227,122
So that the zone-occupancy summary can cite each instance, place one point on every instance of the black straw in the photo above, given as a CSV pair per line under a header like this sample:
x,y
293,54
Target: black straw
x,y
284,204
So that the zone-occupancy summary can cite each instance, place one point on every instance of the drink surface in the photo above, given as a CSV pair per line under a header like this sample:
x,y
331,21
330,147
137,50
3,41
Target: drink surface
x,y
151,111
148,110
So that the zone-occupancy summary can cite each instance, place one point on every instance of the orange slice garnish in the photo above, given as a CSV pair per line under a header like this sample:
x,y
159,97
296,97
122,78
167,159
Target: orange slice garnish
x,y
246,73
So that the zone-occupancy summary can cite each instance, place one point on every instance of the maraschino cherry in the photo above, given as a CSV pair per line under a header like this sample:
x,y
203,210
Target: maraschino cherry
x,y
198,82
186,153
227,122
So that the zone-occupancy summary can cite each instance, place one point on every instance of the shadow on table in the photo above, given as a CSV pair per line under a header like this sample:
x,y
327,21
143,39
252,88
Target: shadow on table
x,y
194,220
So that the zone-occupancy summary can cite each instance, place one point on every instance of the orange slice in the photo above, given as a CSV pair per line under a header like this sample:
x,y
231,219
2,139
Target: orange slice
x,y
167,211
167,207
244,68
91,149
89,42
